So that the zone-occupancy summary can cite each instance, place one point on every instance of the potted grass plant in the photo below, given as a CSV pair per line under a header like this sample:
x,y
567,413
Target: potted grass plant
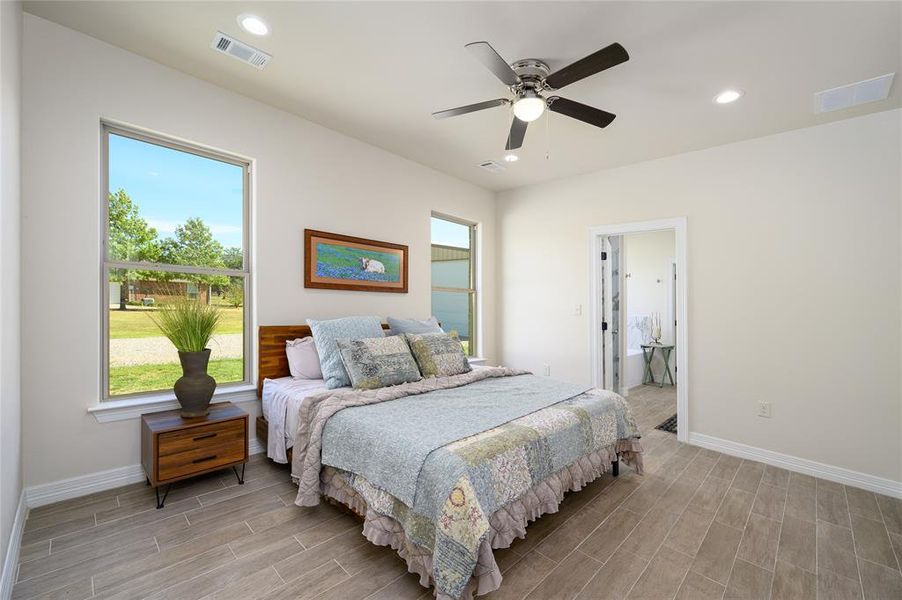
x,y
189,326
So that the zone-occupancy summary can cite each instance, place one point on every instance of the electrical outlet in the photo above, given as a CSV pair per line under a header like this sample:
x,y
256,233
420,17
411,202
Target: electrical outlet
x,y
546,370
764,409
578,310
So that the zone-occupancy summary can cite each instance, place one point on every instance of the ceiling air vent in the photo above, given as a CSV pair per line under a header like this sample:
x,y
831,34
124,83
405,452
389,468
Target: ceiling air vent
x,y
853,94
241,51
492,166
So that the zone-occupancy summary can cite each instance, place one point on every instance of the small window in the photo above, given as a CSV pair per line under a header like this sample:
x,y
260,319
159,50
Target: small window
x,y
175,230
454,278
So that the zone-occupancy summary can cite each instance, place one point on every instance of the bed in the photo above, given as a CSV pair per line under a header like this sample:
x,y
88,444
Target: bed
x,y
447,469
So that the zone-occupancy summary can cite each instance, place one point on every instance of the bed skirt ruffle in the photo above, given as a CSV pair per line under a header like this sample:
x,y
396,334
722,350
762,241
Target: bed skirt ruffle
x,y
505,524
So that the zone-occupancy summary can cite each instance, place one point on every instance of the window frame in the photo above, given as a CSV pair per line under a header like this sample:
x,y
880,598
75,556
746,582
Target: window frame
x,y
471,291
107,263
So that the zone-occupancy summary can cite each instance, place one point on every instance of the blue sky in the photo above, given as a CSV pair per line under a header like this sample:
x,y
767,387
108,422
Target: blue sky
x,y
450,234
171,186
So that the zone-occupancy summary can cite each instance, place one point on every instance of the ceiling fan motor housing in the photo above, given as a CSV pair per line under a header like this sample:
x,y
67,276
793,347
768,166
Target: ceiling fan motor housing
x,y
532,73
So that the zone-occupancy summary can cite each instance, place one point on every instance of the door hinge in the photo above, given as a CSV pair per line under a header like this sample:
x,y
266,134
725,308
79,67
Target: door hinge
x,y
604,325
604,256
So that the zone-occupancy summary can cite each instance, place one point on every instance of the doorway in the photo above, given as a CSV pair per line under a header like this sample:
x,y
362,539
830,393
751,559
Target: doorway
x,y
639,333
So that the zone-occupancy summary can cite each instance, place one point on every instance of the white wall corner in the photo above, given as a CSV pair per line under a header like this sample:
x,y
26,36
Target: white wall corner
x,y
872,483
65,489
11,562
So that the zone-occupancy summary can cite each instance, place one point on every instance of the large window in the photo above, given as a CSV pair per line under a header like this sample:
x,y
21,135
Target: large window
x,y
454,278
175,230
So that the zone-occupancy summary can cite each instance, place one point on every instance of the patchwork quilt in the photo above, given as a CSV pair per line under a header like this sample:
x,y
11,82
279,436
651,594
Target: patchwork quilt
x,y
460,484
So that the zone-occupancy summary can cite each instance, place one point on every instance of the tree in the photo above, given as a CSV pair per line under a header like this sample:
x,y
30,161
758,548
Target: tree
x,y
233,294
131,239
194,245
233,258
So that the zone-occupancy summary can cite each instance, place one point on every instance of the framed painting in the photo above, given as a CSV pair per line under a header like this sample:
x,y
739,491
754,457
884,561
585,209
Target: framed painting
x,y
342,262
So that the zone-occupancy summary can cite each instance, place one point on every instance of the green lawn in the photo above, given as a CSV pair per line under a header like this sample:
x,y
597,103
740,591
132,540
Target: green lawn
x,y
143,378
135,322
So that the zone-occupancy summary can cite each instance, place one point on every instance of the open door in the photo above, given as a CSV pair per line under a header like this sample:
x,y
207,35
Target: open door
x,y
611,287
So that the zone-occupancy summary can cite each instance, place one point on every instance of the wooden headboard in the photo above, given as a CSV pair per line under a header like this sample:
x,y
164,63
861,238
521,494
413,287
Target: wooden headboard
x,y
271,359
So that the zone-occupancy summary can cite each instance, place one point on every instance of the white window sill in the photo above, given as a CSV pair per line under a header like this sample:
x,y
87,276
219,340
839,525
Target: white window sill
x,y
133,408
475,360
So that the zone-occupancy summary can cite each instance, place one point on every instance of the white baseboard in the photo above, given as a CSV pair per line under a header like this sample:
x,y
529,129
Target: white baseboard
x,y
57,491
255,446
872,483
11,562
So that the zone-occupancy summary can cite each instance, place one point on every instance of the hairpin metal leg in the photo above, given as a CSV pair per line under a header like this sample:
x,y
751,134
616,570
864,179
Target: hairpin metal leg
x,y
615,468
240,477
166,493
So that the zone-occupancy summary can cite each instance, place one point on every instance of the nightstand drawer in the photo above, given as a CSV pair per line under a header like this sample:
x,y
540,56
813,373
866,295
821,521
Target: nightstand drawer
x,y
204,458
203,437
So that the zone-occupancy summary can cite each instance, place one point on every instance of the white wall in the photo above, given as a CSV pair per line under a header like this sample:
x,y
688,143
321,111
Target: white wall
x,y
646,262
794,283
306,176
647,266
10,405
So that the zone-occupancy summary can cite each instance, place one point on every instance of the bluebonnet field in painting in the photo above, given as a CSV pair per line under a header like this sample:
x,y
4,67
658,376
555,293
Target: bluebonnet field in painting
x,y
342,262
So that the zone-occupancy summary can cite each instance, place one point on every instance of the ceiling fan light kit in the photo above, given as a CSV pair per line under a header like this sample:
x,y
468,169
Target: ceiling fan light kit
x,y
529,79
529,107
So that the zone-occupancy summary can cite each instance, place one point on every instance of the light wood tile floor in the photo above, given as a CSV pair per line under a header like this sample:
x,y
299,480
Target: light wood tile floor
x,y
697,525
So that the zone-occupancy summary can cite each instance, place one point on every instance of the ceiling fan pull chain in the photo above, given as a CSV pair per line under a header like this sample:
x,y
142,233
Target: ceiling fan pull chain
x,y
547,135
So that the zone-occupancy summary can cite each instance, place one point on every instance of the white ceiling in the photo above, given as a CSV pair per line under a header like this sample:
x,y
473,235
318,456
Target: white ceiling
x,y
376,71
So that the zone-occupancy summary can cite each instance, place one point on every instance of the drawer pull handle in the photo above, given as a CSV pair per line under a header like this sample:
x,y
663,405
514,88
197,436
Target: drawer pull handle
x,y
205,436
204,459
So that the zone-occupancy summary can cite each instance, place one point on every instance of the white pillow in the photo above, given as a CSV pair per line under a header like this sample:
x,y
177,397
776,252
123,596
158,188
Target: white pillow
x,y
303,361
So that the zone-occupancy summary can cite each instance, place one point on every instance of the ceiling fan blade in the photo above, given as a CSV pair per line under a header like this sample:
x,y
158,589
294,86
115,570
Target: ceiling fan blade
x,y
607,57
487,55
581,112
518,132
462,110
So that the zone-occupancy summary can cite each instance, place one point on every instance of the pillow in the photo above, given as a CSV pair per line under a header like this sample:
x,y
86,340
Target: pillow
x,y
303,361
399,326
438,354
378,362
326,333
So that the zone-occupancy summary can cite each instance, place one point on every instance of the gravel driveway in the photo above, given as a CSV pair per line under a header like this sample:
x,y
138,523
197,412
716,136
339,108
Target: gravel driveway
x,y
156,350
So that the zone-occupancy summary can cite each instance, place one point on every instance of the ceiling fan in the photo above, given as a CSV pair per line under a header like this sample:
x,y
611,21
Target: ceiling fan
x,y
529,79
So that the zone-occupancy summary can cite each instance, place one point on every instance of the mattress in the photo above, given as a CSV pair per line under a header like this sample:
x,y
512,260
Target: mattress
x,y
282,398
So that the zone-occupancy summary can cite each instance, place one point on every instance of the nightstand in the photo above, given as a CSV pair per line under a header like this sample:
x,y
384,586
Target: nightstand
x,y
174,448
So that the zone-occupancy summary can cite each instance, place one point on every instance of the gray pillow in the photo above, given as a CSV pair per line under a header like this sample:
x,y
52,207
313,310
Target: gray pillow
x,y
399,326
378,362
327,333
438,354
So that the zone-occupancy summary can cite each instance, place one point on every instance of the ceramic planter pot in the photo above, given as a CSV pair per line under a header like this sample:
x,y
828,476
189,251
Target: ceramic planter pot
x,y
194,389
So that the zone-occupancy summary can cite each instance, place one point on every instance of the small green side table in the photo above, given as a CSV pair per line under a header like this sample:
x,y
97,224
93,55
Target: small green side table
x,y
648,353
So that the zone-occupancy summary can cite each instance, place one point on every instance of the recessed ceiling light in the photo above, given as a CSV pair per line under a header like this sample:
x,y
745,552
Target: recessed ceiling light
x,y
511,158
253,24
727,96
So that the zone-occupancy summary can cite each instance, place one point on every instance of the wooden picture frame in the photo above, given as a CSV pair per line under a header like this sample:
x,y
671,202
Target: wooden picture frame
x,y
343,262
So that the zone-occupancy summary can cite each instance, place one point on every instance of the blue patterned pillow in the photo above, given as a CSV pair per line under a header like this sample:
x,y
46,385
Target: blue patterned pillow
x,y
327,333
378,362
399,326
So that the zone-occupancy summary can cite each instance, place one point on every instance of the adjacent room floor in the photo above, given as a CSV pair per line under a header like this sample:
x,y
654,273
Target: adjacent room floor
x,y
698,525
